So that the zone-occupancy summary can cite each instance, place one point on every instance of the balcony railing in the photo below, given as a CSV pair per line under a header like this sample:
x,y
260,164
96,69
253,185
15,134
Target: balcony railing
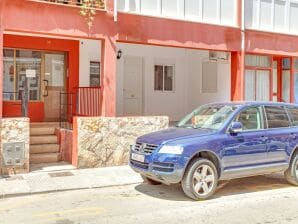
x,y
88,101
77,3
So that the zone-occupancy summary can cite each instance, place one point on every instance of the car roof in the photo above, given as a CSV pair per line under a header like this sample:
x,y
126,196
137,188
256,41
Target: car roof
x,y
255,103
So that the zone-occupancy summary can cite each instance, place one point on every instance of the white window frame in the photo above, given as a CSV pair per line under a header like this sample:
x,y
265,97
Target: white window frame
x,y
271,27
163,77
181,13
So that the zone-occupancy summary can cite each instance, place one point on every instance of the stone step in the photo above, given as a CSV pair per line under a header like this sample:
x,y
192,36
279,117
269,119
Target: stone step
x,y
44,158
44,124
43,139
42,131
44,148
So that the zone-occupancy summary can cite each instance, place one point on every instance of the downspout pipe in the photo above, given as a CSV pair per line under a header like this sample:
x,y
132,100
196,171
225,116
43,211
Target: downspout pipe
x,y
115,10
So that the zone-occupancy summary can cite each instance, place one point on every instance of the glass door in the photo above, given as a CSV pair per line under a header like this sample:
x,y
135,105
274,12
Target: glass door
x,y
286,80
53,83
257,85
28,64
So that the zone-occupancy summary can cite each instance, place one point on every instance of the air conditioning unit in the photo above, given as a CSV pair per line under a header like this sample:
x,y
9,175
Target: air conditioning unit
x,y
218,55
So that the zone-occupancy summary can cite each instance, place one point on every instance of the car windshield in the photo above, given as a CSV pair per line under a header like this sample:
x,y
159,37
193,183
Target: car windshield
x,y
207,116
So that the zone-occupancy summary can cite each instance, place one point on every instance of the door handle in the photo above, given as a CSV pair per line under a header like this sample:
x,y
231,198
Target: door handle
x,y
46,84
294,136
264,138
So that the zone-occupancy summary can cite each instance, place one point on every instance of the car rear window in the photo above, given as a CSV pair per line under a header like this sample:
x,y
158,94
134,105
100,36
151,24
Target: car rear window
x,y
294,115
277,117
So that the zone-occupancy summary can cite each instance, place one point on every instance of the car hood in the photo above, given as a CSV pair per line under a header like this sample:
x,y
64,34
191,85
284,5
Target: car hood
x,y
171,134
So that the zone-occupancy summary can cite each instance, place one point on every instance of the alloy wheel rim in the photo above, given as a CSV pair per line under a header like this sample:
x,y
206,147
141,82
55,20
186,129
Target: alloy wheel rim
x,y
203,180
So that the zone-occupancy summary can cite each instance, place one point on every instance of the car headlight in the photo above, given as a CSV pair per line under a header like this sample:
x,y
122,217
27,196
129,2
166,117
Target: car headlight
x,y
167,149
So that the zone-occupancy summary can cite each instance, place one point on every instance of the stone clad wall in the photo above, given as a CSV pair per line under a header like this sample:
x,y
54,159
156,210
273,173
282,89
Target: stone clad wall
x,y
14,130
105,141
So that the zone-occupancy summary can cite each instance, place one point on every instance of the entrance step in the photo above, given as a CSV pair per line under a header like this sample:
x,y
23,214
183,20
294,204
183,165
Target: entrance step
x,y
43,139
44,143
42,130
44,158
50,167
44,124
44,148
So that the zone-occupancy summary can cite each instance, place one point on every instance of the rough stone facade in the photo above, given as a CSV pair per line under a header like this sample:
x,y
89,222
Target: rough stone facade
x,y
15,130
105,141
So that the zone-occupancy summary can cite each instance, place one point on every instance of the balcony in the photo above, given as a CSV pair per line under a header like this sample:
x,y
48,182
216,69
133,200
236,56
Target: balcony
x,y
99,5
219,12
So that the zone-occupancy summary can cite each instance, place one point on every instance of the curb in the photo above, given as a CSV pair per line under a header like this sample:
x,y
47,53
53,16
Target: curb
x,y
3,196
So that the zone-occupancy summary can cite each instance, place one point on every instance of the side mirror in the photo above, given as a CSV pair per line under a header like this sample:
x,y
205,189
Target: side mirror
x,y
236,127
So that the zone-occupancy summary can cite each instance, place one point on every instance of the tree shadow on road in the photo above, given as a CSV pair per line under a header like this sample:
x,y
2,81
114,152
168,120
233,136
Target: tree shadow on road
x,y
225,189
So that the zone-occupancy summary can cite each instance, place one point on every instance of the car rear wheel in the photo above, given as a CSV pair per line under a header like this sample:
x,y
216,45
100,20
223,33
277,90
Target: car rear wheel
x,y
200,179
291,173
150,181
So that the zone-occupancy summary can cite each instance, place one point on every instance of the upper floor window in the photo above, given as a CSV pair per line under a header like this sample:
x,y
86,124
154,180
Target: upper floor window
x,y
273,15
210,11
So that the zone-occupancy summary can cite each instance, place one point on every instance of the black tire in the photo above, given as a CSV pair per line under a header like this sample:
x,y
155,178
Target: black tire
x,y
150,181
291,174
189,181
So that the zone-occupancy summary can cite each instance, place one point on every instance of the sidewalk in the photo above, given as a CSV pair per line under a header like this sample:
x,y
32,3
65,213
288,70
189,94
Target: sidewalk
x,y
69,179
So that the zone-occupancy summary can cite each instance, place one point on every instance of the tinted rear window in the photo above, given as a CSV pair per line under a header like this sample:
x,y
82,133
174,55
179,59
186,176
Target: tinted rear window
x,y
294,115
277,117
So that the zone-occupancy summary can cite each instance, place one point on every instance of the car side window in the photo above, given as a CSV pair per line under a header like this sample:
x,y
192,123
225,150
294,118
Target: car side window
x,y
277,117
251,118
294,115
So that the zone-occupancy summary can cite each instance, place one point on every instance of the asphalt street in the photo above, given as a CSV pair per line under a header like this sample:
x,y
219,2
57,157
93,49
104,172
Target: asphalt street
x,y
264,199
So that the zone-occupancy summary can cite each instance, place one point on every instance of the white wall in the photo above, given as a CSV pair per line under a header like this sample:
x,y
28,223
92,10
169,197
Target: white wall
x,y
90,50
188,75
195,95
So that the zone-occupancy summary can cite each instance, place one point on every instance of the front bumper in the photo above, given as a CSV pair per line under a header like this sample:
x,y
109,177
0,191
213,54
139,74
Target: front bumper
x,y
165,168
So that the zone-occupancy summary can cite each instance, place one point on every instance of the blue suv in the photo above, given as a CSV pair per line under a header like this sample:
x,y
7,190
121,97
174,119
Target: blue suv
x,y
221,141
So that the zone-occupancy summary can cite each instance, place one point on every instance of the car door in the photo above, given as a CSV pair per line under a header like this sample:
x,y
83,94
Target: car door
x,y
280,134
249,147
293,113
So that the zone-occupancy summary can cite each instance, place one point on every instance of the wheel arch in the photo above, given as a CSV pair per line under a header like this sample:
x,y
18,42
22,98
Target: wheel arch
x,y
206,154
294,151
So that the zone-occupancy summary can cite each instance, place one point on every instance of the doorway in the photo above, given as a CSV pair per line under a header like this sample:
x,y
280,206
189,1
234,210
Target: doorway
x,y
53,84
133,86
45,72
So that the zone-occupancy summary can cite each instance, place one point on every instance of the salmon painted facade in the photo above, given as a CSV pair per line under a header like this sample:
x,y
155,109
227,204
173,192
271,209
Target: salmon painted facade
x,y
141,57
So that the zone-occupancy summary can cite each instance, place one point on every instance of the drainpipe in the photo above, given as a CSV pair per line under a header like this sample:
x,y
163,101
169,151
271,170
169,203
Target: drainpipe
x,y
242,62
115,10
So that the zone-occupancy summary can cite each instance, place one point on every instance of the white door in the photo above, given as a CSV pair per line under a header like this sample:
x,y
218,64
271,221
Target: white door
x,y
132,86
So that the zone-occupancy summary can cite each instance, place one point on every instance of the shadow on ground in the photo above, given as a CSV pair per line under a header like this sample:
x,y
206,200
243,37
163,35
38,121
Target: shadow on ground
x,y
225,189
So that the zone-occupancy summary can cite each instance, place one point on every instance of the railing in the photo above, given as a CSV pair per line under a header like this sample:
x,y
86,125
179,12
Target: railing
x,y
88,101
66,109
97,4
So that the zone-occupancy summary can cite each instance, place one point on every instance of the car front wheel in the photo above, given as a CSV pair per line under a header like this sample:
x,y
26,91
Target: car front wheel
x,y
291,173
200,179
